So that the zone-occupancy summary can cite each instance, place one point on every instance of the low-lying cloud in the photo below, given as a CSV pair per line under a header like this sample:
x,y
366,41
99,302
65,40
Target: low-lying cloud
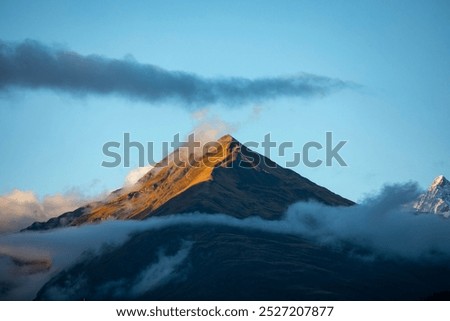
x,y
30,64
156,274
18,209
160,272
384,224
381,226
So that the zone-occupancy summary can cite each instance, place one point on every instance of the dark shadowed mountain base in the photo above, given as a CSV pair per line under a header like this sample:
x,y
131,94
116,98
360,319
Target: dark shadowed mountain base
x,y
213,262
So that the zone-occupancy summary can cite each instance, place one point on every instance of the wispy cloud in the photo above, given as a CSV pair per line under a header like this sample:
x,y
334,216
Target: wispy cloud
x,y
210,127
33,65
135,174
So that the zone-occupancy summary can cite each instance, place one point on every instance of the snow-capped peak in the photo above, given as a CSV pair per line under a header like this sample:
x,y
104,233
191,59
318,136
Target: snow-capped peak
x,y
437,199
439,181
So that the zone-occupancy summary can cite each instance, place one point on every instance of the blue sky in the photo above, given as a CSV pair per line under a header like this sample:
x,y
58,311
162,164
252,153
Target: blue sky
x,y
396,121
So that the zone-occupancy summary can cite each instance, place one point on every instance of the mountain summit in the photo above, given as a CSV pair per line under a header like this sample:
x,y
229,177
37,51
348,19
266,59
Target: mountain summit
x,y
226,177
437,199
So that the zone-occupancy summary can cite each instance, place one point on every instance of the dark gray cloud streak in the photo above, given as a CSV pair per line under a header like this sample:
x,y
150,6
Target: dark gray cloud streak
x,y
32,65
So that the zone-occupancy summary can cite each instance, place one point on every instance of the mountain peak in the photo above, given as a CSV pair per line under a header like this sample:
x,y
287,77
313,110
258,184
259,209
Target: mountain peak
x,y
227,178
437,199
226,139
439,181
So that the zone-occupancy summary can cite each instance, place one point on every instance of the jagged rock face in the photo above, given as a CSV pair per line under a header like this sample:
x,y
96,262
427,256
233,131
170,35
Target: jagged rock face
x,y
437,199
227,178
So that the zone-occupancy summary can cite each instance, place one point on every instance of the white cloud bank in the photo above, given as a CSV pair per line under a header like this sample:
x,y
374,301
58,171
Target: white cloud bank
x,y
18,209
380,225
